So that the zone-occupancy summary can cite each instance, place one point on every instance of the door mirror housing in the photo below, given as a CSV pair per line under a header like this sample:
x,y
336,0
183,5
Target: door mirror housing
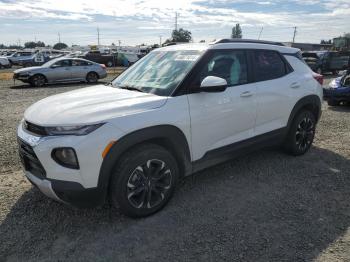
x,y
213,84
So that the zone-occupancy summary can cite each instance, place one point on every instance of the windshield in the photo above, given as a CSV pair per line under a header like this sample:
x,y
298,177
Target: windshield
x,y
159,72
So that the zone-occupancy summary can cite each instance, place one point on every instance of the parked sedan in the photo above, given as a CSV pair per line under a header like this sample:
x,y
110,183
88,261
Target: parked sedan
x,y
4,62
61,70
338,90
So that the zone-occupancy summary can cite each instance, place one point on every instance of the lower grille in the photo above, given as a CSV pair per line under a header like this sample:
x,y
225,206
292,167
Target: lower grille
x,y
29,159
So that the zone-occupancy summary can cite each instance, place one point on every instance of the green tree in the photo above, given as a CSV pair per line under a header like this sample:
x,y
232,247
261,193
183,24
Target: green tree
x,y
60,46
236,31
181,35
32,44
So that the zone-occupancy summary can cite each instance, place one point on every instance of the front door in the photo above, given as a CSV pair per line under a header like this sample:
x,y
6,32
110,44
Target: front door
x,y
222,118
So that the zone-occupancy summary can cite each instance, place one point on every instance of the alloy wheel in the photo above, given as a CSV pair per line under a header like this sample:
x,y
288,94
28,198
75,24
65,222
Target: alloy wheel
x,y
39,80
148,184
92,78
305,133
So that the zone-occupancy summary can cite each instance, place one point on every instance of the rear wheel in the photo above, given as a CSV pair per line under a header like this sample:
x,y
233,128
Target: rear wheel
x,y
144,180
92,77
301,133
37,80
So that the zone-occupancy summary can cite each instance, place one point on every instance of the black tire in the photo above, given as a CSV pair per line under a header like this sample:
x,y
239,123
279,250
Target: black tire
x,y
301,133
110,63
333,103
92,78
144,180
37,80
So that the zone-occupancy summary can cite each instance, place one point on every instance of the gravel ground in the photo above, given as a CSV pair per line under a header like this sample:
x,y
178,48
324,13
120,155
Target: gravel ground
x,y
266,206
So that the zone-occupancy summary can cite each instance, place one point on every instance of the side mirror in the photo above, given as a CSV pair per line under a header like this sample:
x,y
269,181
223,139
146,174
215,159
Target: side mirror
x,y
213,84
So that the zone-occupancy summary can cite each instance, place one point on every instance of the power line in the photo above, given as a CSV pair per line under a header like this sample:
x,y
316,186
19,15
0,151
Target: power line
x,y
295,32
98,36
262,28
176,16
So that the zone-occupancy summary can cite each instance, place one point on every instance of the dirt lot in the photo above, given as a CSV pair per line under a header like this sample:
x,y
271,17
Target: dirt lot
x,y
266,206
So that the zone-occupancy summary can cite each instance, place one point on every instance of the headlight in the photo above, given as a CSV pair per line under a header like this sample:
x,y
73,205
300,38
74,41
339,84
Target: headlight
x,y
72,130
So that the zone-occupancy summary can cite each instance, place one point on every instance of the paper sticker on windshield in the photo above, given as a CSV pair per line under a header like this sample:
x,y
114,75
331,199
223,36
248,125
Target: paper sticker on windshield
x,y
186,58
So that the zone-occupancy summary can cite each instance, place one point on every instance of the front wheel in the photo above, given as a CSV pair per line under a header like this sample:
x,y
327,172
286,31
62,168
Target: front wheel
x,y
301,133
37,81
144,180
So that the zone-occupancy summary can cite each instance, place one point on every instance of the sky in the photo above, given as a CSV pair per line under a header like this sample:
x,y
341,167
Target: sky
x,y
135,22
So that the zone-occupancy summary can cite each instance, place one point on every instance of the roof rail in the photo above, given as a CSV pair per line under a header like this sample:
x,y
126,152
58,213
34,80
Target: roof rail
x,y
253,41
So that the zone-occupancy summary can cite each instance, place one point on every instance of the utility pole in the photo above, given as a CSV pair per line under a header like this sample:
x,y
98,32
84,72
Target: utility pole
x,y
59,37
160,40
176,16
119,42
262,28
98,36
295,32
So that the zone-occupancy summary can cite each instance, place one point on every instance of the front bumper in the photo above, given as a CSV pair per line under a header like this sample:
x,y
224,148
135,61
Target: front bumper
x,y
22,77
43,185
76,187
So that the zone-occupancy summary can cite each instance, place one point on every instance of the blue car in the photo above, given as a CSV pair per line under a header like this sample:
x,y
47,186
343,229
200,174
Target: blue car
x,y
338,90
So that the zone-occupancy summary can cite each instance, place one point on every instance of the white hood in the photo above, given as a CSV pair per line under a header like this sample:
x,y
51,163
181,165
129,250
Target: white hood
x,y
90,105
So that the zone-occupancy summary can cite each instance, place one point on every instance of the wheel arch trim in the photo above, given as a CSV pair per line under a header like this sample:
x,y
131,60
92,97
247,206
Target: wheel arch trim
x,y
312,101
169,133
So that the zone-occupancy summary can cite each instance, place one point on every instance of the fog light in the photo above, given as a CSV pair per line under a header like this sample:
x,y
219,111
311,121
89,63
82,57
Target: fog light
x,y
65,156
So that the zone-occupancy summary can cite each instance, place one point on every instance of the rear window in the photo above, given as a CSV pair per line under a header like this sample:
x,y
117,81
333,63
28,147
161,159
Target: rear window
x,y
268,65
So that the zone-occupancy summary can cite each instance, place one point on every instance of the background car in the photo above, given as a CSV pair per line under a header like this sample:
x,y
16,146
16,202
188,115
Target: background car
x,y
4,62
62,70
16,57
98,57
338,91
327,61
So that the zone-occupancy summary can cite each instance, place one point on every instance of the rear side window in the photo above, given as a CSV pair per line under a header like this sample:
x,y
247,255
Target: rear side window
x,y
268,65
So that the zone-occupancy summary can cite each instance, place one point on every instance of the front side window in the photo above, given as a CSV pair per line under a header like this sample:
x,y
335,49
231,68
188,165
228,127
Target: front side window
x,y
159,72
79,63
230,65
268,65
63,63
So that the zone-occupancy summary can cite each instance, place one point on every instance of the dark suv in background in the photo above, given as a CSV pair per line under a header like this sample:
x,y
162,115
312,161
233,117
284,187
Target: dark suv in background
x,y
327,61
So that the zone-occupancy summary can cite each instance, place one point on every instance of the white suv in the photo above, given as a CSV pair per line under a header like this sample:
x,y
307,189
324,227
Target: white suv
x,y
178,110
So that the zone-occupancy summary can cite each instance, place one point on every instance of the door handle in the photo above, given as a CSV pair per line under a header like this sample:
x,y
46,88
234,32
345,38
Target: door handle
x,y
295,85
246,94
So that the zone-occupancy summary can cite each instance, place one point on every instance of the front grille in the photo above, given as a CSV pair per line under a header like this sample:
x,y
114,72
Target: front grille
x,y
29,159
35,129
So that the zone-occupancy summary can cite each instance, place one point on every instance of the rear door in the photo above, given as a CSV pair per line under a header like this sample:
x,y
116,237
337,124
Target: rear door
x,y
80,69
276,90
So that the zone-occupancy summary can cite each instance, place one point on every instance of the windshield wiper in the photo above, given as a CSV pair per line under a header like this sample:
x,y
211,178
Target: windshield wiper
x,y
130,88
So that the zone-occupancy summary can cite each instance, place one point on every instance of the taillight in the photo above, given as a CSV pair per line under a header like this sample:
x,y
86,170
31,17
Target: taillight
x,y
318,78
103,66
